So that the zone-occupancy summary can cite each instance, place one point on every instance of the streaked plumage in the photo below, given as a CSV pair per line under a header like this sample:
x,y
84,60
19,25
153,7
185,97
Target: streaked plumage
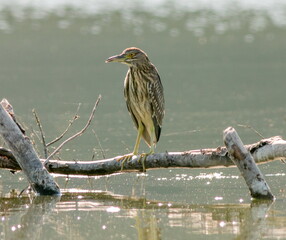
x,y
143,92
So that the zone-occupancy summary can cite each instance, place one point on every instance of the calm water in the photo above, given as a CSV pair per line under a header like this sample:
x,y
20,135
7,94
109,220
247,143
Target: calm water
x,y
221,64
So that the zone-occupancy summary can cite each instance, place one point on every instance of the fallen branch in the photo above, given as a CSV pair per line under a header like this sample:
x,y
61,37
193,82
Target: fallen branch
x,y
244,161
264,151
243,156
39,178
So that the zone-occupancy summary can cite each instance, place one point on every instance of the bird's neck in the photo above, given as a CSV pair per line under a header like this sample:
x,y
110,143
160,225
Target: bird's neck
x,y
141,66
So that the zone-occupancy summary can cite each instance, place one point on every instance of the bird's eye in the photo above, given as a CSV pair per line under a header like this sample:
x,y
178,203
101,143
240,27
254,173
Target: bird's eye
x,y
131,55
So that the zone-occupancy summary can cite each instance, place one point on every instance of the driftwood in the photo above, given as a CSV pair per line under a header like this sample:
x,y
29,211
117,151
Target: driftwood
x,y
246,165
39,178
263,151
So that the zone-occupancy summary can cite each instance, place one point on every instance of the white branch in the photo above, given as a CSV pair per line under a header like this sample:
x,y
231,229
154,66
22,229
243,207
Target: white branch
x,y
39,178
264,151
244,161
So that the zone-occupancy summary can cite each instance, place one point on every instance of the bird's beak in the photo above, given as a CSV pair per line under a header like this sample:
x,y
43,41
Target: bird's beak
x,y
116,58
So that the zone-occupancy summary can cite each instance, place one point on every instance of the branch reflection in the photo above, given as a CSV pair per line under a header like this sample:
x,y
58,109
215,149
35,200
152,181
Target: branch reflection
x,y
149,217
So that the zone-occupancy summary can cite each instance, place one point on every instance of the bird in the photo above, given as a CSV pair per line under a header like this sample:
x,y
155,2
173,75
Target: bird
x,y
144,96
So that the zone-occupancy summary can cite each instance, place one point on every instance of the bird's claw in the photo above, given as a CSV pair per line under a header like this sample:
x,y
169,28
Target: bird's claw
x,y
124,158
128,157
142,159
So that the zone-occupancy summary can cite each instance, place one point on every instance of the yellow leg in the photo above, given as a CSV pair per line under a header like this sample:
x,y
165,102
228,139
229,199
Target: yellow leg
x,y
128,156
138,139
143,156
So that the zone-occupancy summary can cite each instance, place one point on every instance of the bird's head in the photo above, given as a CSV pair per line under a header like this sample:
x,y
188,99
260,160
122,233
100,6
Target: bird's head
x,y
130,56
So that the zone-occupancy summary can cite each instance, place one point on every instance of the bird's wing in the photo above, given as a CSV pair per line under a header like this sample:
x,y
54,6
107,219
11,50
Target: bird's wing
x,y
155,91
126,94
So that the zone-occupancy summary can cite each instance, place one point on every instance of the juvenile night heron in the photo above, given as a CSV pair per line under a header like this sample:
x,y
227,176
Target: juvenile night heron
x,y
143,92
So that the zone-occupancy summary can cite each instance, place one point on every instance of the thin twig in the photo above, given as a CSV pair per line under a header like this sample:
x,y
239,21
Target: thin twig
x,y
34,136
126,146
21,193
99,143
250,127
78,133
38,121
68,127
181,133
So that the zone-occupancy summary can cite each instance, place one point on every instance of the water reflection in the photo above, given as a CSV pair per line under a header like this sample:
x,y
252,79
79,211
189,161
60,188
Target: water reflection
x,y
151,219
147,225
30,224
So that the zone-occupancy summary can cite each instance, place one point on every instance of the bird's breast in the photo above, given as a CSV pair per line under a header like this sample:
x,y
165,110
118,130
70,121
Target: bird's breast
x,y
136,93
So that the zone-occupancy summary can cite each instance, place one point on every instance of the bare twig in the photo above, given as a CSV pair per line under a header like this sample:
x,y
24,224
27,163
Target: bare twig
x,y
99,143
251,128
78,133
181,133
41,131
34,136
68,127
125,145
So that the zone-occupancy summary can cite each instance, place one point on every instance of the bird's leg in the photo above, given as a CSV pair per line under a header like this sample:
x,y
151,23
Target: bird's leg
x,y
128,156
138,139
125,158
143,156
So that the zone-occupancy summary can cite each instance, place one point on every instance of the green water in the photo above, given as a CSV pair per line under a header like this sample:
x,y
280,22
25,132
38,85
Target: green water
x,y
221,65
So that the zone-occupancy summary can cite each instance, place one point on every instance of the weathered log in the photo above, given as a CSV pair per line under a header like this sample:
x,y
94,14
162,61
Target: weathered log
x,y
246,165
264,151
7,160
39,178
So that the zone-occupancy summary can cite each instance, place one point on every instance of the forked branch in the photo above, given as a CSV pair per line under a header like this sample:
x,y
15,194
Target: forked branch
x,y
77,134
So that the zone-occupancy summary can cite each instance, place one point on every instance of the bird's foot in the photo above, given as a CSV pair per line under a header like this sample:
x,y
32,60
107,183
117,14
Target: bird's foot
x,y
142,159
124,158
128,157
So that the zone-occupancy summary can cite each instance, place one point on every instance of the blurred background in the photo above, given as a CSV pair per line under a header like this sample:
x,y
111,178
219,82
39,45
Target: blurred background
x,y
222,63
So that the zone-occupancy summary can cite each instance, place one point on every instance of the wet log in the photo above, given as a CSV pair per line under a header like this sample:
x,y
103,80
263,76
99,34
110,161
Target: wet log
x,y
22,150
244,161
264,151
